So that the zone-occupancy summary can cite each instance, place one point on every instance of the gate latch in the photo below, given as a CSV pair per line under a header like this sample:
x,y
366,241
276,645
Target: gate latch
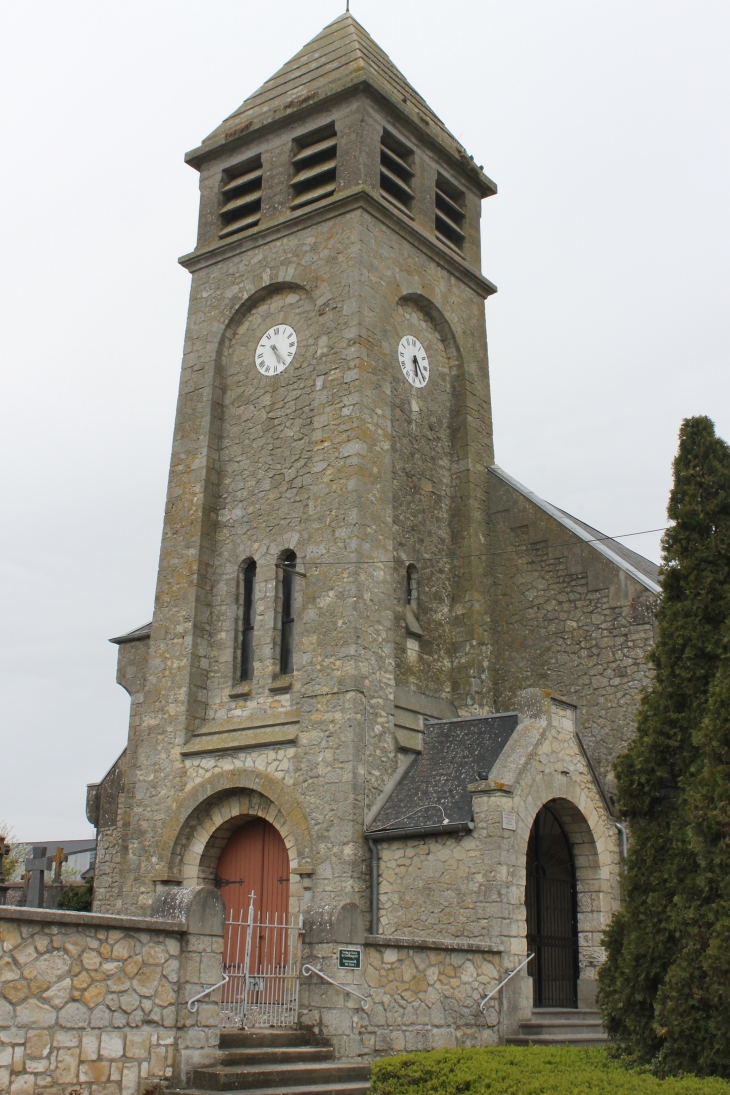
x,y
221,882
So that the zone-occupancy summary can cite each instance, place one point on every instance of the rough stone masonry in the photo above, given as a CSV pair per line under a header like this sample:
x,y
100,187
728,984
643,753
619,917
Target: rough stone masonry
x,y
428,584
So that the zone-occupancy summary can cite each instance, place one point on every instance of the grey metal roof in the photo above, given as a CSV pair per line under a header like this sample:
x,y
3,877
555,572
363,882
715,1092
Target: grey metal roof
x,y
135,636
70,847
643,570
649,569
434,789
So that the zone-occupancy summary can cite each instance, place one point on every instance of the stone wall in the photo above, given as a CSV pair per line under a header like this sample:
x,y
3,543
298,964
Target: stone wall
x,y
567,620
421,994
98,1003
433,886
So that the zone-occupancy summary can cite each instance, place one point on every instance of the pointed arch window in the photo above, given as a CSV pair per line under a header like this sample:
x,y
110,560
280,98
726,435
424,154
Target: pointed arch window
x,y
286,649
248,621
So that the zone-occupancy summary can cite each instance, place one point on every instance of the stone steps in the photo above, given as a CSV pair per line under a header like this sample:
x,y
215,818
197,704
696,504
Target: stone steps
x,y
277,1077
561,1026
278,1062
361,1088
276,1055
252,1039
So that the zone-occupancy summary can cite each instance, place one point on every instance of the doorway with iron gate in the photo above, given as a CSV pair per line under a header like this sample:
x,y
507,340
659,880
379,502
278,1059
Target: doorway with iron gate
x,y
552,913
262,943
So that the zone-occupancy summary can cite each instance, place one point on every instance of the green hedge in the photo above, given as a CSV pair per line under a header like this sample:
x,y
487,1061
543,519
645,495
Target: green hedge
x,y
527,1070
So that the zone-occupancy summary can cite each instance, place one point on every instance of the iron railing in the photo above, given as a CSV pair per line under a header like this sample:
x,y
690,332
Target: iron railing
x,y
261,960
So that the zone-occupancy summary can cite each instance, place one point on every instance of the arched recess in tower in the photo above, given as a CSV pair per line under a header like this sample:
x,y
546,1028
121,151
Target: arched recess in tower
x,y
426,499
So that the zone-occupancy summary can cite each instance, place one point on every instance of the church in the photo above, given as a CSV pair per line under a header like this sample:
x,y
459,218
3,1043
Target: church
x,y
384,684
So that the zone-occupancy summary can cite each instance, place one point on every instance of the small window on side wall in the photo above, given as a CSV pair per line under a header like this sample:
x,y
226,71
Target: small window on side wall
x,y
413,626
286,649
248,620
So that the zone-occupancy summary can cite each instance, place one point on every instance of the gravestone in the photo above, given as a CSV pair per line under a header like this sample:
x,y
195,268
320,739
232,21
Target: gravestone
x,y
4,850
58,861
36,869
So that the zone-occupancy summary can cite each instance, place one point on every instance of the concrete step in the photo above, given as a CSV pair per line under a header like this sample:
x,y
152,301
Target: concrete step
x,y
265,1055
306,1089
561,1026
589,1014
278,1077
587,1040
252,1039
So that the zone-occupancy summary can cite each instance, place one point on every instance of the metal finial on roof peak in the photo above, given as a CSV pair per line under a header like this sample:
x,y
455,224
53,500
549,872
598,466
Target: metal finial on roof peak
x,y
347,7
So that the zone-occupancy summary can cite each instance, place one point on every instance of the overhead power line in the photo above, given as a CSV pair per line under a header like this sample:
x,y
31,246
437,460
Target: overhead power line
x,y
473,555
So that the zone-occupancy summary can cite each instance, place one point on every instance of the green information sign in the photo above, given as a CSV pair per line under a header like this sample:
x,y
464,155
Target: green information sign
x,y
348,958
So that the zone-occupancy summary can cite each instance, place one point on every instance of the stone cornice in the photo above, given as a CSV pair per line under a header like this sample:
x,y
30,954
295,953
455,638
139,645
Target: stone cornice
x,y
342,202
253,130
484,946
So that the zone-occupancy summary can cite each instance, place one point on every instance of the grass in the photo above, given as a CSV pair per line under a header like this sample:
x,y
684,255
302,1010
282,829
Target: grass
x,y
526,1070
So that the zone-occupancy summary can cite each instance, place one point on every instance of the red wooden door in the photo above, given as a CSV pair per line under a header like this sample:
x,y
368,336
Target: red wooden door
x,y
255,859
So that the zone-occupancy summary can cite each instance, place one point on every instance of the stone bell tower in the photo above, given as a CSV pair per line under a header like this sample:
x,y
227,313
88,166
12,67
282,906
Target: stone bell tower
x,y
322,579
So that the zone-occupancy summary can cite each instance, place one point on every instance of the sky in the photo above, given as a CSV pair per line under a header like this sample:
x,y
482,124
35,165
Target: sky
x,y
605,126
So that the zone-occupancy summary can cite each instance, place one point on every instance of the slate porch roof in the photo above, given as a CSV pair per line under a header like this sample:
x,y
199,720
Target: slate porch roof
x,y
434,788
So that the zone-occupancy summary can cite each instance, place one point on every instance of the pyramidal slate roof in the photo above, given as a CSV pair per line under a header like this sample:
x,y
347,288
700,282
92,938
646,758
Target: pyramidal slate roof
x,y
340,56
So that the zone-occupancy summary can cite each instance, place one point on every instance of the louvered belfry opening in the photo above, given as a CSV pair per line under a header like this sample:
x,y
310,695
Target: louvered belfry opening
x,y
450,215
314,159
396,172
241,196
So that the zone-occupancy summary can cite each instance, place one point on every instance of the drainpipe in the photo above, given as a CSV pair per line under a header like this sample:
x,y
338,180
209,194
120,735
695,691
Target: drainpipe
x,y
374,902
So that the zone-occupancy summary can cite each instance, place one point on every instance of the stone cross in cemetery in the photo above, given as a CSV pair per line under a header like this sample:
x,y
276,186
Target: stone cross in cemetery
x,y
4,850
58,861
36,868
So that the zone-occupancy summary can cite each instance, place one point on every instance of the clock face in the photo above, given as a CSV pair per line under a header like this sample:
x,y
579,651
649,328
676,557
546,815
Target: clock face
x,y
276,350
413,361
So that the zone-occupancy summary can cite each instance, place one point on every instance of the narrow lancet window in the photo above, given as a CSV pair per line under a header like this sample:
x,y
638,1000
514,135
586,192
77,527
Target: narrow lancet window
x,y
248,621
413,626
286,653
412,586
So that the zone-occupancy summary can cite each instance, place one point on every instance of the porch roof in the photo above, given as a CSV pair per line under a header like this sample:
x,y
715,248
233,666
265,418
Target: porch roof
x,y
434,788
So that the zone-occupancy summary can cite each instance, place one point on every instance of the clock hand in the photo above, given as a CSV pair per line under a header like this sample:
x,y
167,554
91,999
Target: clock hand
x,y
418,367
278,356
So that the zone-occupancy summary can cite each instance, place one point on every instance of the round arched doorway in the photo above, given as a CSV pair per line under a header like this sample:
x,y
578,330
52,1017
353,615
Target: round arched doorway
x,y
255,861
261,945
552,915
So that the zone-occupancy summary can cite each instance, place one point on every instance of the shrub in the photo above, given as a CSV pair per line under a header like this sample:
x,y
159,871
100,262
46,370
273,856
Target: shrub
x,y
78,898
526,1070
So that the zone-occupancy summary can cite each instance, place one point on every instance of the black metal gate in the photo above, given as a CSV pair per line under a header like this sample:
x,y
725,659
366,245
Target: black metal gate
x,y
552,920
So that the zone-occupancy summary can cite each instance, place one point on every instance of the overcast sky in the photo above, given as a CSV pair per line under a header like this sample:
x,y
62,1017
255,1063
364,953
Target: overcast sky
x,y
605,125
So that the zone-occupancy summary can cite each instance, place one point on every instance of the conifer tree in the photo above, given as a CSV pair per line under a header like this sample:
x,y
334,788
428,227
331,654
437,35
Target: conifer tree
x,y
655,776
693,1004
